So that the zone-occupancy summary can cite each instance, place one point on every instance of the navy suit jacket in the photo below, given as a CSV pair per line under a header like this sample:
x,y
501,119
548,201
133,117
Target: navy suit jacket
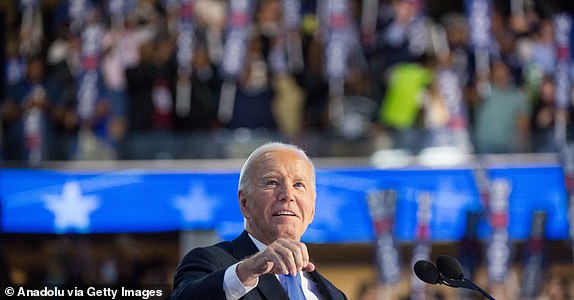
x,y
200,274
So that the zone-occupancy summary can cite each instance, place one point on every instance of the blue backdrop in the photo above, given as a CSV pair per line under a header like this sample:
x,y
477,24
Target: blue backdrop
x,y
139,200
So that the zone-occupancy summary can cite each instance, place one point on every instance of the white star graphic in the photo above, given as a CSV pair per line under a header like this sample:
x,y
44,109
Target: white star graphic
x,y
71,209
196,206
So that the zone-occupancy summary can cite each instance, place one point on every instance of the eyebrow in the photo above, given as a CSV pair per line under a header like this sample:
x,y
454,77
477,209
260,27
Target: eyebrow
x,y
274,174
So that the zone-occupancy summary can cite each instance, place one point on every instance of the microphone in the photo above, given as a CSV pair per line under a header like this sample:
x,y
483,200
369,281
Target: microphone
x,y
427,272
452,269
448,271
449,266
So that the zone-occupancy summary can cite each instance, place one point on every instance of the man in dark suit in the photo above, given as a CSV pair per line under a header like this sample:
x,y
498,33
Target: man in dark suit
x,y
277,199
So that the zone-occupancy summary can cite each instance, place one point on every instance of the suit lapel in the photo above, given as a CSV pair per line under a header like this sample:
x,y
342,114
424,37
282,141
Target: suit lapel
x,y
271,288
243,247
326,288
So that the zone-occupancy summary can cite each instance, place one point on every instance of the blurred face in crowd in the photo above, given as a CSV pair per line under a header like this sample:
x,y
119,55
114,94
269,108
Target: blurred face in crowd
x,y
457,31
35,70
547,90
200,58
278,200
546,31
147,52
500,74
404,10
268,16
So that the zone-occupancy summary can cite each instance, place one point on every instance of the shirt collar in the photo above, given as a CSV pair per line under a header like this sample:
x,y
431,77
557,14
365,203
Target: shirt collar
x,y
260,246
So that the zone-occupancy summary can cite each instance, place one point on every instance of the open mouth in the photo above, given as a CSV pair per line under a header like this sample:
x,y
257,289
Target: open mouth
x,y
284,213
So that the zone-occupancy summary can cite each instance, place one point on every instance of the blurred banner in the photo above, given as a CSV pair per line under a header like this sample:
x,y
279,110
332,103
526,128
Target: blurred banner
x,y
499,251
32,28
478,13
291,27
534,258
382,207
235,52
139,200
185,38
369,15
563,82
89,78
34,122
417,30
563,28
457,133
33,116
470,250
185,47
567,160
479,17
422,247
236,37
336,28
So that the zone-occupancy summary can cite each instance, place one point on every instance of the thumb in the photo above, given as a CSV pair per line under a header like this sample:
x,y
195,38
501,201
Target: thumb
x,y
267,267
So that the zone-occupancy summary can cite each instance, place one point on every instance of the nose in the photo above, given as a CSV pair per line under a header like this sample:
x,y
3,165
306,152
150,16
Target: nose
x,y
286,193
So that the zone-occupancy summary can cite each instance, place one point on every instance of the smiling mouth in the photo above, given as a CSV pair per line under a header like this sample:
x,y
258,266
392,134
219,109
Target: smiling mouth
x,y
284,213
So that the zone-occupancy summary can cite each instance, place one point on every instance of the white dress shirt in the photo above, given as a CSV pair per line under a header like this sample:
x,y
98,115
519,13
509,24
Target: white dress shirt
x,y
234,288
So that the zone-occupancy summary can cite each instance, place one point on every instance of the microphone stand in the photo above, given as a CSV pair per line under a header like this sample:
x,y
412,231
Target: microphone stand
x,y
465,283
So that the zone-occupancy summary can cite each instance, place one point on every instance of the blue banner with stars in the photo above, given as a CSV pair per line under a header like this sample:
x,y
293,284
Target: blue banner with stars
x,y
139,200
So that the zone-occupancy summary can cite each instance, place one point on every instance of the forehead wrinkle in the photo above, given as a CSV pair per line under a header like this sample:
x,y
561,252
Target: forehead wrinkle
x,y
263,169
267,166
269,174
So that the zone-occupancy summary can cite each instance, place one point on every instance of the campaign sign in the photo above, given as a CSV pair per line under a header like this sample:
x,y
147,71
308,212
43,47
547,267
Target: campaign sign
x,y
153,200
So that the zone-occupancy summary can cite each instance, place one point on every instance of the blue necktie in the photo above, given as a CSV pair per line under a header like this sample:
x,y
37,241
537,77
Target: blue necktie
x,y
292,284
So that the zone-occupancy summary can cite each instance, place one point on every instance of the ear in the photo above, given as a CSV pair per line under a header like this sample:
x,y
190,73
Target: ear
x,y
243,204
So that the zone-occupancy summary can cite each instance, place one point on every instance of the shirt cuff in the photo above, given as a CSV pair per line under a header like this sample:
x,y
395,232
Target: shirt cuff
x,y
232,286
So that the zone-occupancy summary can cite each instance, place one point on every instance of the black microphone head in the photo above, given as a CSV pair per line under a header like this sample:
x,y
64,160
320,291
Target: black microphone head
x,y
427,272
449,267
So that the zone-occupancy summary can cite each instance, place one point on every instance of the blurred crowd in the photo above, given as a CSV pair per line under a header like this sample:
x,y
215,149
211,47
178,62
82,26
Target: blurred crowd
x,y
148,261
411,80
115,260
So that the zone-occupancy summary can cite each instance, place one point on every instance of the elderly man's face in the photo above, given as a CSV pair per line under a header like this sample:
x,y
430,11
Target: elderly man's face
x,y
279,201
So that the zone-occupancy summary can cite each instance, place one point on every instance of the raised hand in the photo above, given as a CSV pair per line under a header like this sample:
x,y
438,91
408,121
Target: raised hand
x,y
283,256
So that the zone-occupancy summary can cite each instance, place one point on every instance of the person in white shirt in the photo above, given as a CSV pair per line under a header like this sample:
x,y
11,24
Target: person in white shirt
x,y
277,200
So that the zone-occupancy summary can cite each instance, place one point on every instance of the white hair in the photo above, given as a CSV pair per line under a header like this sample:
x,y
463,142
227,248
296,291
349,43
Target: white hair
x,y
245,173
